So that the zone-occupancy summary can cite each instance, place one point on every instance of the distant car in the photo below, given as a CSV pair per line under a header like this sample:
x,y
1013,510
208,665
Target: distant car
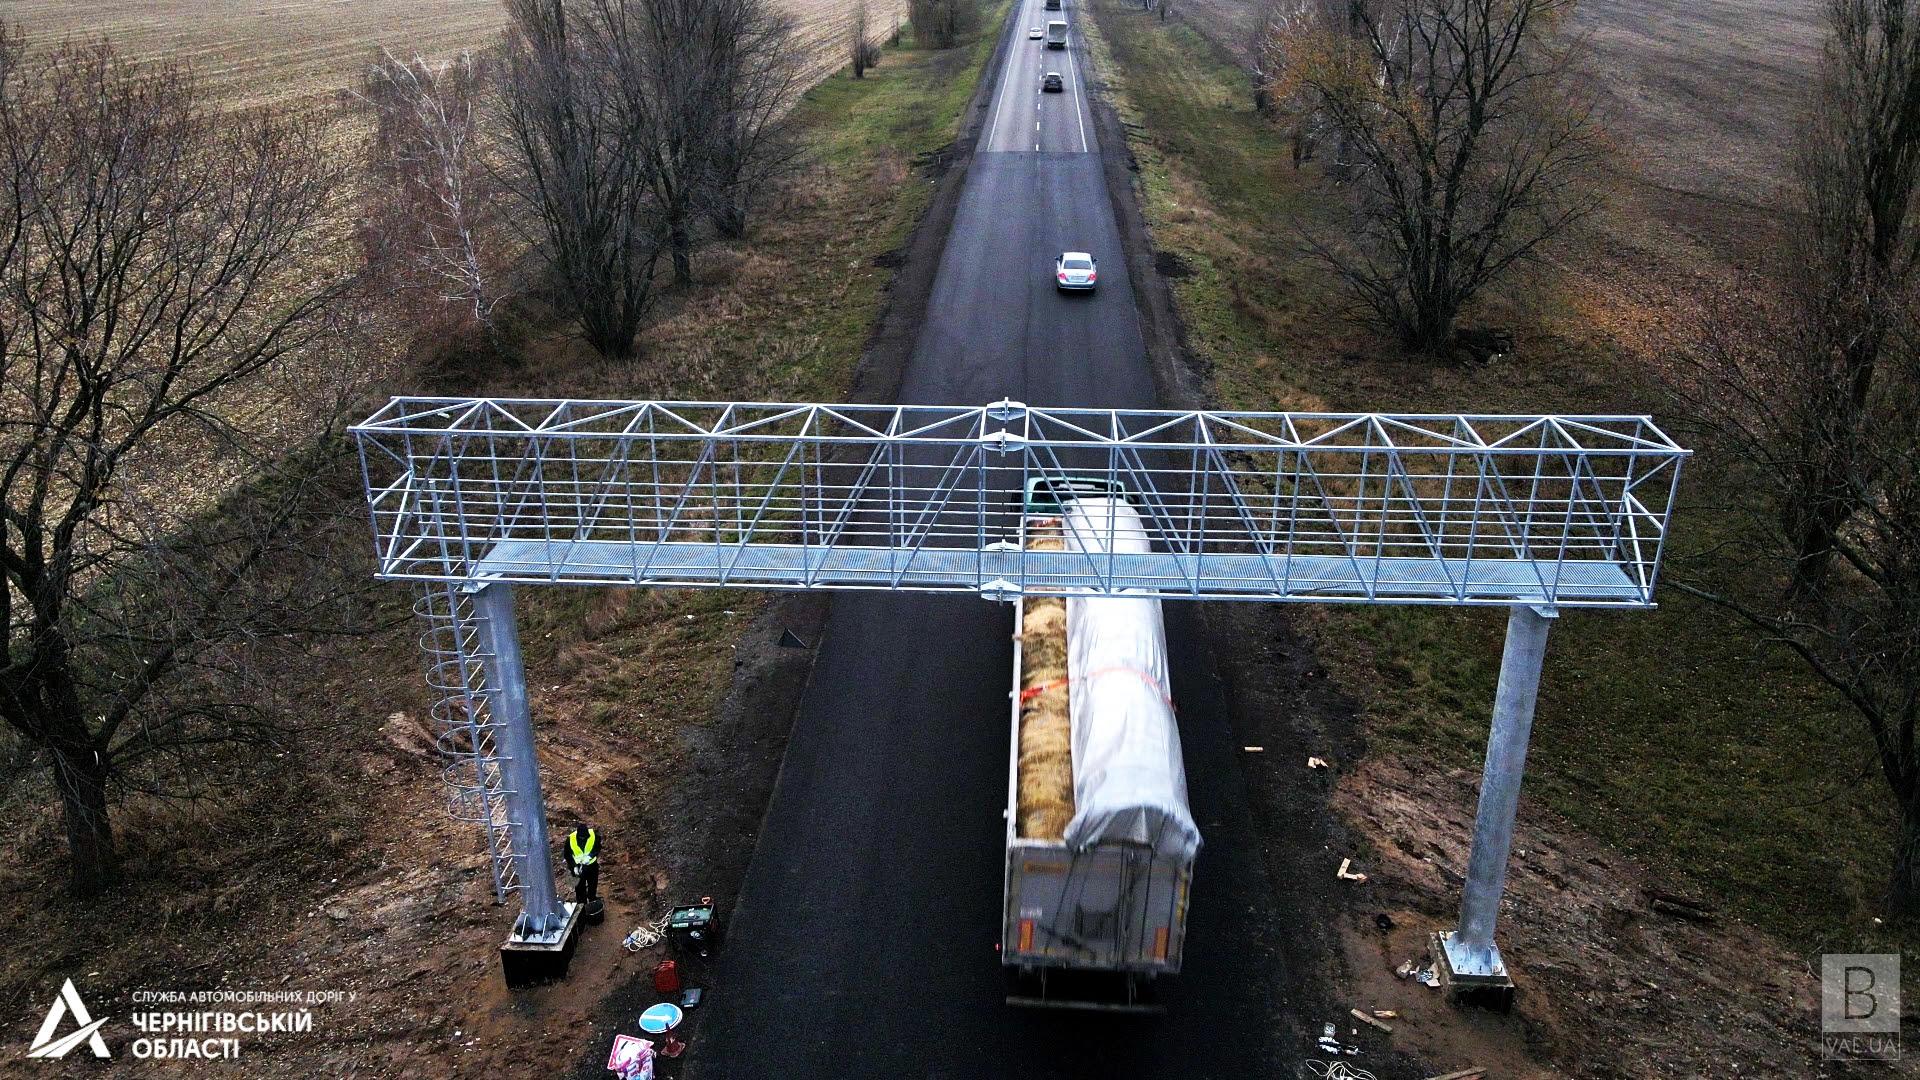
x,y
1074,270
1034,34
1053,83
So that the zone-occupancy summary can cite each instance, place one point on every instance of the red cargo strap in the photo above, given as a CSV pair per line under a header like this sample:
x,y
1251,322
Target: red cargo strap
x,y
1032,692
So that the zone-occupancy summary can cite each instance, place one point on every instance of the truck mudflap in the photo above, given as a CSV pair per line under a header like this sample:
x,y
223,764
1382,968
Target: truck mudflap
x,y
1085,991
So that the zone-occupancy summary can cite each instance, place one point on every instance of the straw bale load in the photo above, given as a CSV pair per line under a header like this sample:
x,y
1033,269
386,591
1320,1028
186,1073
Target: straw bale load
x,y
1045,794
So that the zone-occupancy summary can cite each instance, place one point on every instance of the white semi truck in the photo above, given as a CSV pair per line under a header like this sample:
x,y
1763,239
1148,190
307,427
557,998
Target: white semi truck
x,y
1056,35
1096,909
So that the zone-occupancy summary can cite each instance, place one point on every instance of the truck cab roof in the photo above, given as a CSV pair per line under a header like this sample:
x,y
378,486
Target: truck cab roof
x,y
1048,494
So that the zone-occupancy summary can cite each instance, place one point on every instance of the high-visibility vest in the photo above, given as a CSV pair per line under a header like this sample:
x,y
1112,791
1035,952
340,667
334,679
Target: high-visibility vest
x,y
582,854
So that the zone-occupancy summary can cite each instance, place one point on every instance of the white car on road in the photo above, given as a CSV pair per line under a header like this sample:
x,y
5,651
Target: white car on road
x,y
1033,34
1074,270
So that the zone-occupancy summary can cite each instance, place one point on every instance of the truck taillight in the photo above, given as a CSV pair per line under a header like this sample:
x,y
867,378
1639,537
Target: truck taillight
x,y
1026,935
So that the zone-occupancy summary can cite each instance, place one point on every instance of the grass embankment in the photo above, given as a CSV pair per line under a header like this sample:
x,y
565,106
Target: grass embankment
x,y
1669,734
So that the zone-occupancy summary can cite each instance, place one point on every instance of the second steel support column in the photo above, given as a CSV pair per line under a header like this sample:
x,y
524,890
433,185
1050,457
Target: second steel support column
x,y
526,804
1469,952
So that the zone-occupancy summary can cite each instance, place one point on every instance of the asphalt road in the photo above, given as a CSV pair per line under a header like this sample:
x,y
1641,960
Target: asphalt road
x,y
863,941
1025,118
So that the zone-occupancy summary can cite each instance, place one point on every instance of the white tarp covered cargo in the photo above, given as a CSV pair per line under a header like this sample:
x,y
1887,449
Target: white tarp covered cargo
x,y
1129,784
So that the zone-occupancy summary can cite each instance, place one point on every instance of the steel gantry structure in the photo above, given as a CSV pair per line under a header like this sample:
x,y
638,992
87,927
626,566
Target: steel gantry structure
x,y
469,497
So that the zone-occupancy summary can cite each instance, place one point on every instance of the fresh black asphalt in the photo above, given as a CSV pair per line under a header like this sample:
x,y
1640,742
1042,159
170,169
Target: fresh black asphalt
x,y
863,941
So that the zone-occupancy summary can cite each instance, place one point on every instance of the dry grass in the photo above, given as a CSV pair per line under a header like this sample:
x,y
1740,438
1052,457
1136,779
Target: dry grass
x,y
255,51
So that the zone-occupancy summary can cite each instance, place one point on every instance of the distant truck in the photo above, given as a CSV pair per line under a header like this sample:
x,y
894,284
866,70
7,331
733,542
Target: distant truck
x,y
1100,840
1056,35
1053,5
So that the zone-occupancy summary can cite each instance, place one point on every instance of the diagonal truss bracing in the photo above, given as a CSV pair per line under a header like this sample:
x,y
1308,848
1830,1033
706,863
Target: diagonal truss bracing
x,y
1356,507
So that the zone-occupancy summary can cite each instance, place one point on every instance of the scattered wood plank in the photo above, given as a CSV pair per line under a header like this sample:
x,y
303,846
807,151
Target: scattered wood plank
x,y
1474,1073
1365,1019
1344,874
1316,763
1680,912
1679,907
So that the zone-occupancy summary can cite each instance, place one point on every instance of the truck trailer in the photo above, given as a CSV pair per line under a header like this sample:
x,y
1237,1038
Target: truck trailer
x,y
1100,840
1056,34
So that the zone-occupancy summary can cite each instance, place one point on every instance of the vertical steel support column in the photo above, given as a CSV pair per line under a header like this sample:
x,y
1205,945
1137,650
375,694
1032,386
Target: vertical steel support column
x,y
1469,952
506,675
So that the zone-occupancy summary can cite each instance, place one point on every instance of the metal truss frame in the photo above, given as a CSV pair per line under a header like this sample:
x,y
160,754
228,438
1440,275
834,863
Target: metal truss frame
x,y
470,496
1334,507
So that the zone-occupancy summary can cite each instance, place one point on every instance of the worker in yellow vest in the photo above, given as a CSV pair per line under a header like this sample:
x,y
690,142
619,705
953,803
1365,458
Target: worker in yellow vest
x,y
583,861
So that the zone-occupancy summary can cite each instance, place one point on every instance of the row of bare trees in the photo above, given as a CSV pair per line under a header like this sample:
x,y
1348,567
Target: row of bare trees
x,y
940,24
182,295
1816,385
183,292
1459,140
615,133
174,281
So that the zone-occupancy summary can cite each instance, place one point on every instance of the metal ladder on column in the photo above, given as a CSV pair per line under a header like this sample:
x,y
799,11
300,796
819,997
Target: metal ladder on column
x,y
456,659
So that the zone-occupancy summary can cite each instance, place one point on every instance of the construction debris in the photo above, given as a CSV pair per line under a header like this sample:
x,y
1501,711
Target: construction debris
x,y
1254,749
1345,874
1425,976
1474,1073
1330,1041
1336,1070
1317,763
1370,1020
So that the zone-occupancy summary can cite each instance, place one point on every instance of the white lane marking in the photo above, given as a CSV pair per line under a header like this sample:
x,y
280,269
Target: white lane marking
x,y
1000,105
1073,72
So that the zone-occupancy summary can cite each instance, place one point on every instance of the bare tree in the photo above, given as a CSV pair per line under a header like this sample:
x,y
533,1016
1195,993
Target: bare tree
x,y
1762,378
1463,142
1283,26
429,212
860,49
1811,379
760,72
166,272
938,24
1854,185
579,158
716,80
667,53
